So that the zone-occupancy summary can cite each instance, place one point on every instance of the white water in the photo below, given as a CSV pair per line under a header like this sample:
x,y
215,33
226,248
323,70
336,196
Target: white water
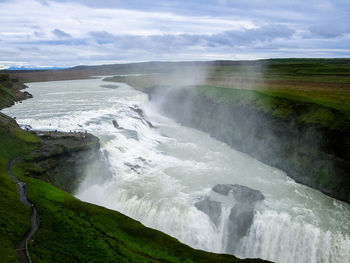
x,y
175,166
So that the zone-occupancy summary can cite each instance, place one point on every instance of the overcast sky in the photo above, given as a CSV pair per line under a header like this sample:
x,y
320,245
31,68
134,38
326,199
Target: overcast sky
x,y
74,32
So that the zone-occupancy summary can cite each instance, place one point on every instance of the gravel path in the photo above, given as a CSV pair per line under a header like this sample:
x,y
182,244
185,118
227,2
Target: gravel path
x,y
21,246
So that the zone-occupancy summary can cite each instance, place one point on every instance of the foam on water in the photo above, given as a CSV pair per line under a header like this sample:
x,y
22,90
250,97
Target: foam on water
x,y
160,173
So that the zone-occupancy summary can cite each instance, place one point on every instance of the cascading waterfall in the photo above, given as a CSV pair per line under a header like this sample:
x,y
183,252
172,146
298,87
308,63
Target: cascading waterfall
x,y
162,169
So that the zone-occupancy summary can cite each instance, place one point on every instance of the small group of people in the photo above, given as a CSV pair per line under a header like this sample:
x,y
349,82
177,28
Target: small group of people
x,y
50,132
83,135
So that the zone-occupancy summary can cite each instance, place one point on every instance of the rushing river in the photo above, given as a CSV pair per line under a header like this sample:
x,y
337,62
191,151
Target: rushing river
x,y
160,173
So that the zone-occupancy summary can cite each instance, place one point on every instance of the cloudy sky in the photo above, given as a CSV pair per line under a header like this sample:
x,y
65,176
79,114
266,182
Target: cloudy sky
x,y
74,32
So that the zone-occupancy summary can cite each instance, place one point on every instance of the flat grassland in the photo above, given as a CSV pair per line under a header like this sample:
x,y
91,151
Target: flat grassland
x,y
317,90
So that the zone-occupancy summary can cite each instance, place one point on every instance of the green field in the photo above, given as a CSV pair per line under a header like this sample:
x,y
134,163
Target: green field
x,y
311,70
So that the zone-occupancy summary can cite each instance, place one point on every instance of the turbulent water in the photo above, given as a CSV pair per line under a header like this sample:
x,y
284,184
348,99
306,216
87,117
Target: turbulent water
x,y
160,173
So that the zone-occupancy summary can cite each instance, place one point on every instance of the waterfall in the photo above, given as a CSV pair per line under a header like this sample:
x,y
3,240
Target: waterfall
x,y
162,169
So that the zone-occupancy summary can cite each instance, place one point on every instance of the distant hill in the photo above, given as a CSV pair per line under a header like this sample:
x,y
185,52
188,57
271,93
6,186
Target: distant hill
x,y
34,68
282,69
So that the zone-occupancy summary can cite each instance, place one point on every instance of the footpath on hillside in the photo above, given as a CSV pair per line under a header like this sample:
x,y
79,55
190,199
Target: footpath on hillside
x,y
22,248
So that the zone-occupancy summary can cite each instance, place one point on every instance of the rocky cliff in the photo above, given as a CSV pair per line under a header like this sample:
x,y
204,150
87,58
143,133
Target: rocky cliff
x,y
65,159
310,153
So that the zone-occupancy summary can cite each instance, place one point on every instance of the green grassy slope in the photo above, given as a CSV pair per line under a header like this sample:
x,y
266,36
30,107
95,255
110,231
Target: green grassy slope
x,y
14,215
74,231
6,97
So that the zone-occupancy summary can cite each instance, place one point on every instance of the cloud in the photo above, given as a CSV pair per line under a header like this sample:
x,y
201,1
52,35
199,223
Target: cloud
x,y
329,31
60,34
102,37
168,42
108,31
38,34
265,33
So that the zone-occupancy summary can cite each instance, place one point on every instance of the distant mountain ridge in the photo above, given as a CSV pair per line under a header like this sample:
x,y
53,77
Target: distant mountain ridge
x,y
35,68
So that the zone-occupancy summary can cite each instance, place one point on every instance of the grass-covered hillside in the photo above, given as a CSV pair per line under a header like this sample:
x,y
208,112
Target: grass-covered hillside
x,y
6,96
10,90
74,231
14,215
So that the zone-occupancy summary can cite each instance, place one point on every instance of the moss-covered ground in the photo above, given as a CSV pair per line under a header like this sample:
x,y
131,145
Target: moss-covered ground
x,y
14,215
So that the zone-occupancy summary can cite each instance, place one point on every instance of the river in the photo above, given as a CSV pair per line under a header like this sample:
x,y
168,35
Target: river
x,y
160,172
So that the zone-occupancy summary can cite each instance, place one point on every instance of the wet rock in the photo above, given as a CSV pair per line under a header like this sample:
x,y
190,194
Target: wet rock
x,y
109,86
130,134
241,214
240,192
27,95
115,124
138,111
223,189
240,220
133,167
149,124
65,160
141,159
211,208
141,117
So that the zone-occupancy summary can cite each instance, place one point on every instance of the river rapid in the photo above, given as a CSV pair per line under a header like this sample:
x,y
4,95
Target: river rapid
x,y
161,169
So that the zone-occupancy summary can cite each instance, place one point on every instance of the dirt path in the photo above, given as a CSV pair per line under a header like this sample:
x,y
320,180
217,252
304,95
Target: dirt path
x,y
21,246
